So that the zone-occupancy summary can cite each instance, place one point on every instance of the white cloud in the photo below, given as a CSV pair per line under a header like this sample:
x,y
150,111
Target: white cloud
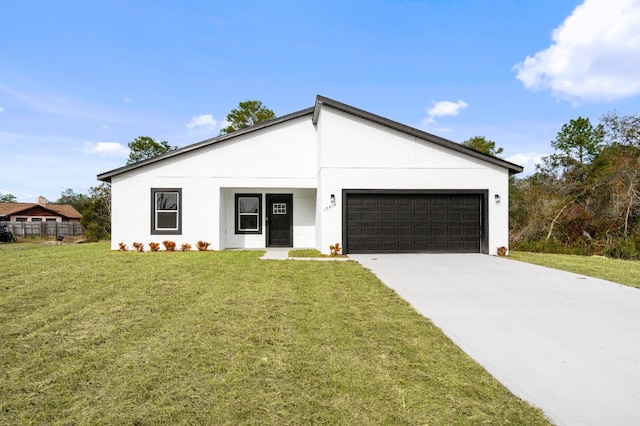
x,y
528,160
105,126
107,148
595,55
441,109
1,109
202,122
128,100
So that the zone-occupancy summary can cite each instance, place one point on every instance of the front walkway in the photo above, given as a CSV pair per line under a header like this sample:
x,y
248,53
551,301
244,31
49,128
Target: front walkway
x,y
566,343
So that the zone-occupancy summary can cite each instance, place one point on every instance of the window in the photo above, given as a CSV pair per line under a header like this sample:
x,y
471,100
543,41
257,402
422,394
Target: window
x,y
279,208
248,213
36,219
50,220
21,219
166,205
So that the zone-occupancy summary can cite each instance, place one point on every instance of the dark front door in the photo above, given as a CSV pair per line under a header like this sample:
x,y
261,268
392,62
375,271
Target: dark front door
x,y
279,220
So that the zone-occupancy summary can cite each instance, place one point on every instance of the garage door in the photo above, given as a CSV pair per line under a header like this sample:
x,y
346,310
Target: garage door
x,y
405,223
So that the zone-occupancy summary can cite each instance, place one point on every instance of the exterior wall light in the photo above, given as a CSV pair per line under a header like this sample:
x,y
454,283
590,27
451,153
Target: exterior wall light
x,y
498,199
333,198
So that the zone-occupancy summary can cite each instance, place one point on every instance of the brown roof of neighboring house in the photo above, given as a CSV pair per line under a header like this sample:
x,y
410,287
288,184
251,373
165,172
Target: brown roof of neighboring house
x,y
65,210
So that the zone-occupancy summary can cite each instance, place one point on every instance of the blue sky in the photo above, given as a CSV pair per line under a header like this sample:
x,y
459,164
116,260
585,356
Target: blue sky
x,y
81,79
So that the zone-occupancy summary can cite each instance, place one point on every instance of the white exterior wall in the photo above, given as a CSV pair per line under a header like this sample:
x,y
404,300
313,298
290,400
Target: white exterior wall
x,y
309,161
375,157
261,159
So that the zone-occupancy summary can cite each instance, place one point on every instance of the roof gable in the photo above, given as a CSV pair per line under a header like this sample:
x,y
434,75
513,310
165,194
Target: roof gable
x,y
428,137
314,113
106,177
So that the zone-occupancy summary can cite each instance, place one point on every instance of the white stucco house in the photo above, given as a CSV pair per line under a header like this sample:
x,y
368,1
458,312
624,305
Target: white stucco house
x,y
330,173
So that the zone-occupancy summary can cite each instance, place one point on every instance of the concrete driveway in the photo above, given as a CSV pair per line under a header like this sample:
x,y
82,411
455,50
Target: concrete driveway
x,y
566,343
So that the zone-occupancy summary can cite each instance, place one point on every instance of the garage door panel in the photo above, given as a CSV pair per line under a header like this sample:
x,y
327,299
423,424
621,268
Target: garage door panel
x,y
372,231
372,201
371,215
389,215
471,231
403,200
354,231
379,223
406,230
438,231
470,215
389,231
438,200
438,216
423,215
454,231
390,246
355,215
454,215
422,231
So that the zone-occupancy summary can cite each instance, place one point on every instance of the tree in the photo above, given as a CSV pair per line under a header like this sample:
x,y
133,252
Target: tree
x,y
621,129
484,145
247,114
616,173
578,140
8,198
71,198
96,215
144,147
585,197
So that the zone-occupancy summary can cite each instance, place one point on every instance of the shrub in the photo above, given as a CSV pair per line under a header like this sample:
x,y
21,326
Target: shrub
x,y
624,248
334,250
154,246
122,247
139,247
202,245
185,247
169,245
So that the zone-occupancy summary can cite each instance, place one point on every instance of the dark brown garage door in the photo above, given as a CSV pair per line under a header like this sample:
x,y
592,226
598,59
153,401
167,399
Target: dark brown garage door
x,y
406,223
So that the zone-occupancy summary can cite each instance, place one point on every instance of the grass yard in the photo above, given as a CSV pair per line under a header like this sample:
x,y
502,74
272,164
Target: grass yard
x,y
620,271
92,336
305,253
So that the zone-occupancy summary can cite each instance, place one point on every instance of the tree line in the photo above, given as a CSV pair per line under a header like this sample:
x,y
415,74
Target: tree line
x,y
584,198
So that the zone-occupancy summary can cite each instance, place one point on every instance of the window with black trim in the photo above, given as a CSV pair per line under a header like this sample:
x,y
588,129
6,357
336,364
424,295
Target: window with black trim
x,y
248,213
166,211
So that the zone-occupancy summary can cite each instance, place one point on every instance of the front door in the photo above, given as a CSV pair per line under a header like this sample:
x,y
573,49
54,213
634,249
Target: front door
x,y
279,220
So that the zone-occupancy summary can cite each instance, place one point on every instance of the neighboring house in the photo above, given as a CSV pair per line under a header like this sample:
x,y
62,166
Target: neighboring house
x,y
326,174
38,212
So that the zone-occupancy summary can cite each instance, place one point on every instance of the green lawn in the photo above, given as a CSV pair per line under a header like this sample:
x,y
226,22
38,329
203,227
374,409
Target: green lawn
x,y
92,336
620,271
305,253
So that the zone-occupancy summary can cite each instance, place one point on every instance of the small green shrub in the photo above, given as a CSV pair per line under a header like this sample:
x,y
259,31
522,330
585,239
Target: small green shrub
x,y
624,248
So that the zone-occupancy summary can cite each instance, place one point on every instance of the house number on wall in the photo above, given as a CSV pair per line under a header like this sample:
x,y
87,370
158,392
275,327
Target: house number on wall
x,y
279,208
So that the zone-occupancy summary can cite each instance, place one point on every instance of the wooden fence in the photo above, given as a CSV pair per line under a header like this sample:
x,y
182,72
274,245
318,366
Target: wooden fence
x,y
45,229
